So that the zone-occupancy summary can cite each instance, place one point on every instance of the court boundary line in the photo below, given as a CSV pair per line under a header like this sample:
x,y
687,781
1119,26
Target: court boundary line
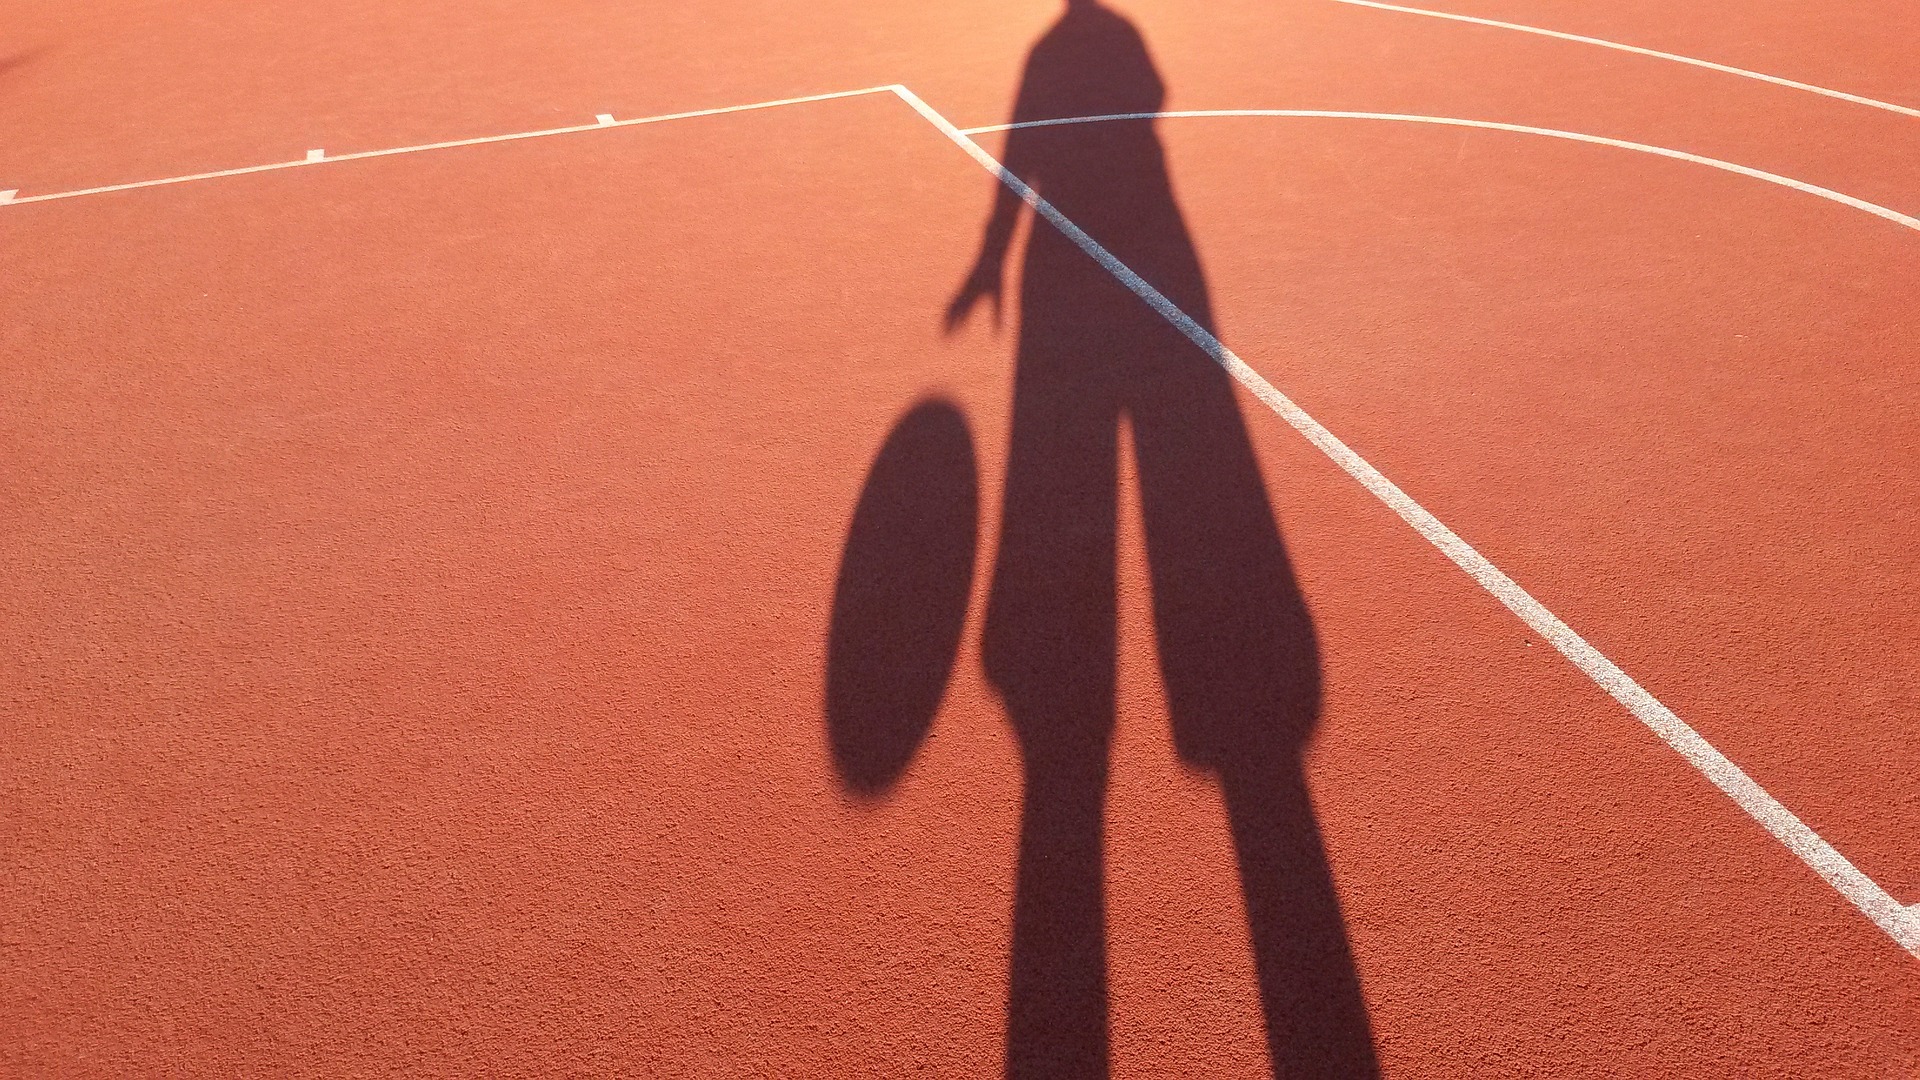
x,y
1900,922
602,122
1891,916
1637,50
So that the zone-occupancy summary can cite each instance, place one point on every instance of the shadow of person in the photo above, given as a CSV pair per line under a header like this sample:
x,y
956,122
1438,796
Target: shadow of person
x,y
1236,643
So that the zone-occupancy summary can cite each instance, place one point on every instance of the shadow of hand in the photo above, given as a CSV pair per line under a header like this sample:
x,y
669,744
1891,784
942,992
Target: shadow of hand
x,y
982,284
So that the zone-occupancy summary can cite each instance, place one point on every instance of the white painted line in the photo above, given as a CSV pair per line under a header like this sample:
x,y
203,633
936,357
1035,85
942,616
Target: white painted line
x,y
1675,57
604,119
1848,880
7,196
481,141
1901,923
1829,194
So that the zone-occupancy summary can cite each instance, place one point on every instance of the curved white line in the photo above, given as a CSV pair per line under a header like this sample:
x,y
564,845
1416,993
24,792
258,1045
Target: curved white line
x,y
1675,57
1829,194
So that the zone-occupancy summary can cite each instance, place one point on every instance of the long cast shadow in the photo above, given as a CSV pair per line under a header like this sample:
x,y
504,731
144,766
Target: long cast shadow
x,y
1236,643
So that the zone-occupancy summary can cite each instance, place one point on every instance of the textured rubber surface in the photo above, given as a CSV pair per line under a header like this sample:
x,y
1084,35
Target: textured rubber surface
x,y
421,570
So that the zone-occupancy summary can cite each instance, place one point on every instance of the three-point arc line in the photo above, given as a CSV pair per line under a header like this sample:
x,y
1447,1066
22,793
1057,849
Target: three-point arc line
x,y
1727,69
1900,922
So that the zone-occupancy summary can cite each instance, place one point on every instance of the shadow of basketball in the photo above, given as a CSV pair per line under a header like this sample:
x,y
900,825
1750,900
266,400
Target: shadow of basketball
x,y
900,603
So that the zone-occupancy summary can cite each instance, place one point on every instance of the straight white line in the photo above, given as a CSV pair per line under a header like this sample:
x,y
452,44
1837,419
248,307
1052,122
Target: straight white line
x,y
1675,57
600,123
1860,890
1829,194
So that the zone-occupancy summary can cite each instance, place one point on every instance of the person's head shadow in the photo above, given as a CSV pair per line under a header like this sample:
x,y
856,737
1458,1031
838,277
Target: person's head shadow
x,y
1237,648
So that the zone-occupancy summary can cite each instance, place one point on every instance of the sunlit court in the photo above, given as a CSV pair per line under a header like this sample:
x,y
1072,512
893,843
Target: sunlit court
x,y
1029,538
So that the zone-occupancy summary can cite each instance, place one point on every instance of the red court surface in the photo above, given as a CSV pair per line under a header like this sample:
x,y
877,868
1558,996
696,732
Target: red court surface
x,y
427,639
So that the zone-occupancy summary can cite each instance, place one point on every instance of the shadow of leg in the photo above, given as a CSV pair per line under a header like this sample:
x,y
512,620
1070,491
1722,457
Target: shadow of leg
x,y
1316,1020
1242,667
1049,649
1057,1000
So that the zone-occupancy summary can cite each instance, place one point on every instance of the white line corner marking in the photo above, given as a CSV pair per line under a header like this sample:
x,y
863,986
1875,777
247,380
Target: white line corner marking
x,y
1638,51
316,156
7,196
1863,892
604,119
